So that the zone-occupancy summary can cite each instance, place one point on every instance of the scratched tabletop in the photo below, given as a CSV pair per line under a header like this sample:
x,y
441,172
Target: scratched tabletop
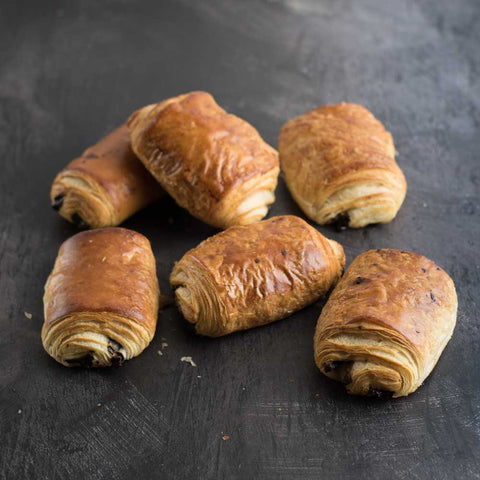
x,y
254,406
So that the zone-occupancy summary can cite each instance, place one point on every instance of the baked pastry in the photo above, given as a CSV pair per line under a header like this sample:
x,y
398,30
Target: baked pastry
x,y
101,299
251,275
212,163
386,323
339,165
105,185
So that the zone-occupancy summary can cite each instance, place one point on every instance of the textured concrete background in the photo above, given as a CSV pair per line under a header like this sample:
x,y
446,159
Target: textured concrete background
x,y
71,71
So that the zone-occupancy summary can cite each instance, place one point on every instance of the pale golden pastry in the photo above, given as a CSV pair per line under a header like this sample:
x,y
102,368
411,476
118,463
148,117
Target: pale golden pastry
x,y
104,186
101,299
339,165
251,275
386,323
212,163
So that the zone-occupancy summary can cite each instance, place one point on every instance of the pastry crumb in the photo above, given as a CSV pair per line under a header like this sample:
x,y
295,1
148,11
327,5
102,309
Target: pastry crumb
x,y
28,315
226,437
199,376
188,360
159,352
291,380
19,411
99,404
164,344
103,259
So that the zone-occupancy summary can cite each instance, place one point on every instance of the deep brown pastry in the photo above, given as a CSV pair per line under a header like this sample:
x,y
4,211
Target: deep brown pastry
x,y
212,163
386,323
339,165
251,275
101,299
104,186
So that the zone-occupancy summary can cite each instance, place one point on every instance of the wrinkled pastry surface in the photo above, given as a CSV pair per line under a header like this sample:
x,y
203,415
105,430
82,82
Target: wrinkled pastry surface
x,y
101,298
212,163
338,161
254,274
386,323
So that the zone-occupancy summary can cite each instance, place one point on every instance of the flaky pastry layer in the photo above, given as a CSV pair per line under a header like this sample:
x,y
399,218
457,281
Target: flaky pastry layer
x,y
212,163
251,275
386,323
104,186
101,299
339,162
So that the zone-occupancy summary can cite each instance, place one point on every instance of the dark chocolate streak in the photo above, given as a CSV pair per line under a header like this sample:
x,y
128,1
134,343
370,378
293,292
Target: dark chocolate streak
x,y
58,202
85,361
341,221
373,392
117,358
329,366
79,221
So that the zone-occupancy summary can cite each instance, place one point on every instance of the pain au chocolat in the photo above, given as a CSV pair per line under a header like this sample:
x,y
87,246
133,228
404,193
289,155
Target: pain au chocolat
x,y
251,275
386,323
101,299
104,186
339,165
211,162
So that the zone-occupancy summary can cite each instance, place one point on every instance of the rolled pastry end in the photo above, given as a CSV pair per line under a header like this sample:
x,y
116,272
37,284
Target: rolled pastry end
x,y
197,300
382,372
339,253
81,200
361,205
94,340
255,196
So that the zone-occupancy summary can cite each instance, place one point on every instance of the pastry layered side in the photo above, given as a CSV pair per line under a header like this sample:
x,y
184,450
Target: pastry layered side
x,y
104,186
339,165
386,323
251,275
101,299
212,163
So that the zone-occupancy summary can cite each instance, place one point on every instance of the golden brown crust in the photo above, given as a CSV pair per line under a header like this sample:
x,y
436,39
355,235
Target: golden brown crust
x,y
106,185
103,287
386,323
339,160
212,163
252,275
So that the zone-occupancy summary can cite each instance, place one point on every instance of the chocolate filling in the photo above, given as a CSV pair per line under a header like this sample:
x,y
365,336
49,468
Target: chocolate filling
x,y
79,221
329,366
58,202
341,221
373,392
113,348
85,361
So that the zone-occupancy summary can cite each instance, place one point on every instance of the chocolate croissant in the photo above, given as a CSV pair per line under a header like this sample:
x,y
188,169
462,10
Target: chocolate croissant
x,y
212,163
101,299
251,275
386,323
339,165
105,185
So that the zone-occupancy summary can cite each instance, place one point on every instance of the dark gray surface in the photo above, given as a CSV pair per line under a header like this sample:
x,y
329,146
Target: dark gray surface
x,y
71,71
